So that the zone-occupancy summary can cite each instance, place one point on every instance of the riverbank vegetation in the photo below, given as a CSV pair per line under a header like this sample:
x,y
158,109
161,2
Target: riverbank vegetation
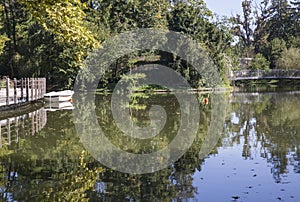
x,y
53,38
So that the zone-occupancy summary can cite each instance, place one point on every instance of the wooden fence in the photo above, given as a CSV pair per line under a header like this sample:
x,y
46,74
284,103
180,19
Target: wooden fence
x,y
13,91
12,129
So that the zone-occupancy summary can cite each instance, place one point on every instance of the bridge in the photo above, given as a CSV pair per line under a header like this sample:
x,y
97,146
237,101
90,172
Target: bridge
x,y
277,74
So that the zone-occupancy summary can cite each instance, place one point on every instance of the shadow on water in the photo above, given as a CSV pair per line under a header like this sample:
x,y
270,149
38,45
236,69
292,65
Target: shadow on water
x,y
257,156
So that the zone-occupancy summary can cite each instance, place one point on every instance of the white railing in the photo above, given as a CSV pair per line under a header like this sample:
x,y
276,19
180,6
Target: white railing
x,y
13,91
13,128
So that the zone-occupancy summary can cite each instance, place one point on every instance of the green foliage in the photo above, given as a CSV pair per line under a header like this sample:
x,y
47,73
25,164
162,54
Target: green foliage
x,y
259,62
270,28
3,40
283,34
51,38
289,59
279,21
243,24
49,51
3,36
275,48
231,62
132,80
119,15
192,18
294,41
65,19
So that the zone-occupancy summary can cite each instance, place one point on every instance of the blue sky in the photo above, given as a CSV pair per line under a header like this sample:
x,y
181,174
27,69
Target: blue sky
x,y
225,7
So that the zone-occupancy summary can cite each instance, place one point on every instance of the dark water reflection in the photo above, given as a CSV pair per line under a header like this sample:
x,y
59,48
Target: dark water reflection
x,y
257,157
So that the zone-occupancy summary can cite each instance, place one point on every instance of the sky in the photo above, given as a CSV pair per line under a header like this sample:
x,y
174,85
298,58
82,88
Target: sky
x,y
225,7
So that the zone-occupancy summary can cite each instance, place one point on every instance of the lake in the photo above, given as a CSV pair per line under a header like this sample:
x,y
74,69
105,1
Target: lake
x,y
246,148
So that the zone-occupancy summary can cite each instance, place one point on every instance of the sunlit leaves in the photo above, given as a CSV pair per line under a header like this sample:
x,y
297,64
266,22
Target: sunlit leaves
x,y
64,18
3,36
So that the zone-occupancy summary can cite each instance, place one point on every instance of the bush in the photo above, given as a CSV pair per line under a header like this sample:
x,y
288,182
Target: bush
x,y
276,47
259,62
289,59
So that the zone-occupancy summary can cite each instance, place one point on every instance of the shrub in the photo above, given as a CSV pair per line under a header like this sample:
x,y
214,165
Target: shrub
x,y
259,62
289,59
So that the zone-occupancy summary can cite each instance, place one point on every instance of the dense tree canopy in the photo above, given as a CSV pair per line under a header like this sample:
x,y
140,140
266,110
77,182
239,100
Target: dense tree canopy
x,y
52,38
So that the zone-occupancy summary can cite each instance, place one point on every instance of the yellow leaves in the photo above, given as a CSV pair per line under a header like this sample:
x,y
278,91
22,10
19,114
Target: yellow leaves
x,y
3,40
65,19
158,15
3,37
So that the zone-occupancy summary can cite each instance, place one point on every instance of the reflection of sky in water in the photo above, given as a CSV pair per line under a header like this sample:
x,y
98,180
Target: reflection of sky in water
x,y
228,174
234,118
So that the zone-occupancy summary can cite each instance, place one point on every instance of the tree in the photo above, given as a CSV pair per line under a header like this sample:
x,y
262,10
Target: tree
x,y
65,19
294,37
46,39
3,36
289,59
118,15
11,15
261,34
259,62
295,10
50,38
276,28
244,29
279,19
192,18
275,48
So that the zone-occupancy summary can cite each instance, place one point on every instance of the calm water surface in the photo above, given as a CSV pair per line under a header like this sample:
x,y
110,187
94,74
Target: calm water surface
x,y
256,158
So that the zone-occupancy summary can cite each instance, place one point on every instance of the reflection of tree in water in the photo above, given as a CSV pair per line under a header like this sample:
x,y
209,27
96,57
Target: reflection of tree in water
x,y
49,166
165,185
140,117
272,125
53,165
174,182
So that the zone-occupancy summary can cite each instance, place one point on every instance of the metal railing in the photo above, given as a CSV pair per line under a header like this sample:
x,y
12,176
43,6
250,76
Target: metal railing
x,y
264,74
